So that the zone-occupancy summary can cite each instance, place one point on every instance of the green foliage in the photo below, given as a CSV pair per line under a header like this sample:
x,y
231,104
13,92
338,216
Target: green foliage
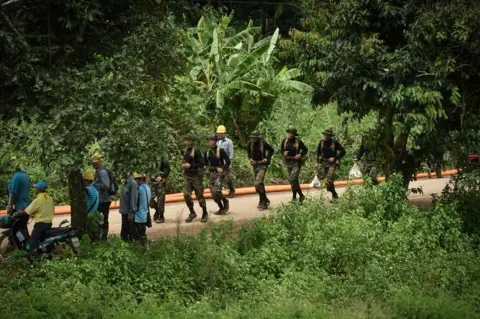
x,y
408,61
463,193
351,260
234,74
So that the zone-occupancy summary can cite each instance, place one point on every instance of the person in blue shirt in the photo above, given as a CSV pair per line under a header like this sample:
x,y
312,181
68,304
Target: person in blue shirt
x,y
140,222
92,192
19,197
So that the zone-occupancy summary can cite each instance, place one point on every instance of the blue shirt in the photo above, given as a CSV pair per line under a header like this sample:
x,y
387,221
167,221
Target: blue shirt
x,y
92,199
144,195
20,186
227,145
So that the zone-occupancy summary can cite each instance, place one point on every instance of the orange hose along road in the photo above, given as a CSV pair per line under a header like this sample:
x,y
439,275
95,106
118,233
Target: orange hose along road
x,y
178,197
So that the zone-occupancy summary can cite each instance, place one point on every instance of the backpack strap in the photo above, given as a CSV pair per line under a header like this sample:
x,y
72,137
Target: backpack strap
x,y
296,145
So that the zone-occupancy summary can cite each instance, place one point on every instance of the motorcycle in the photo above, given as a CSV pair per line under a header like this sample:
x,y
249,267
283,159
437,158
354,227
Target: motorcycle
x,y
14,238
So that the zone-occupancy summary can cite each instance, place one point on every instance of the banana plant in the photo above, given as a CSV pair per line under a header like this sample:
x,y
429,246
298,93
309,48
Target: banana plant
x,y
226,64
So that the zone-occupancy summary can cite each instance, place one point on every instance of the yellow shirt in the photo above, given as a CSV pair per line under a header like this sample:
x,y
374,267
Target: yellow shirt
x,y
42,208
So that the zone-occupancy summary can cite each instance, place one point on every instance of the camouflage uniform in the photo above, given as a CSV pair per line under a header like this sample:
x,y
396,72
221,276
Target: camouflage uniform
x,y
160,191
294,147
370,166
215,158
326,169
194,182
258,151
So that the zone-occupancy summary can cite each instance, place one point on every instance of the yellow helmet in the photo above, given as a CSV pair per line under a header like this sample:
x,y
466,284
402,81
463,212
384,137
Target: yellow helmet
x,y
88,175
221,129
136,175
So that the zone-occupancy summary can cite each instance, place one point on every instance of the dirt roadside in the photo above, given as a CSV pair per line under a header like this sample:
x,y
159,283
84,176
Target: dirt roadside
x,y
244,208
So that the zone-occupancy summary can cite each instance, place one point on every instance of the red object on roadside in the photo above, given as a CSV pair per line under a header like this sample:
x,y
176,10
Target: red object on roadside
x,y
473,157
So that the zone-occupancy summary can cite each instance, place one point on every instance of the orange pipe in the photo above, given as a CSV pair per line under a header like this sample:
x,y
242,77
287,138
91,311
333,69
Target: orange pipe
x,y
178,197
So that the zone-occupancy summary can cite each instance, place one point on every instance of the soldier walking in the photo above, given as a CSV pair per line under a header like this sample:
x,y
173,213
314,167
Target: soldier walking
x,y
294,151
370,150
217,160
259,154
329,154
159,186
227,145
193,174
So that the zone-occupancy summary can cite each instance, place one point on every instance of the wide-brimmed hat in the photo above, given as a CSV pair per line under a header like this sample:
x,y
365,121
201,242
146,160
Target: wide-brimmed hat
x,y
189,136
329,132
97,158
292,129
256,134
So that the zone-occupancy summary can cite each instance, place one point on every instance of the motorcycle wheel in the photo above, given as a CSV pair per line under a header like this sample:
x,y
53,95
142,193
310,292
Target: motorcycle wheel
x,y
6,245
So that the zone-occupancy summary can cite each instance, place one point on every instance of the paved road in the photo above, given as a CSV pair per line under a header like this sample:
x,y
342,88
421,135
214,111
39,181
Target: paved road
x,y
243,208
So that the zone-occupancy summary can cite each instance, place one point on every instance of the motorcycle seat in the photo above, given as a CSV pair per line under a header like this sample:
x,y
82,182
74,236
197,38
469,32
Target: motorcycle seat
x,y
57,231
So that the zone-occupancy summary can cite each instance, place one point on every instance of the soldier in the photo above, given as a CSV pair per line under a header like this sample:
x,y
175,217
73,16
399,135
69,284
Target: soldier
x,y
217,160
193,174
159,186
227,144
294,151
369,149
329,153
259,154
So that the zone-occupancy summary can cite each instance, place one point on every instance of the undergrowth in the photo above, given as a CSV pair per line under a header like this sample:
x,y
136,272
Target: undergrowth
x,y
372,255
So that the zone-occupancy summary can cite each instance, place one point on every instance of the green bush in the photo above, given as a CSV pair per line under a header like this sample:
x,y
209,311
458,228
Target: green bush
x,y
370,255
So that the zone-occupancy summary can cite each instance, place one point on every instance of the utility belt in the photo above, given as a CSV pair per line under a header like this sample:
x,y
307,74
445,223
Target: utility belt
x,y
326,162
193,171
291,159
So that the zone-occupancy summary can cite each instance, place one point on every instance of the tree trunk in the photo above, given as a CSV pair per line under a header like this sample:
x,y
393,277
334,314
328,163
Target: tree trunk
x,y
389,141
78,201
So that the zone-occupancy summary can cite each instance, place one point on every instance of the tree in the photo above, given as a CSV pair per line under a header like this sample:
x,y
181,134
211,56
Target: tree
x,y
415,64
118,101
235,74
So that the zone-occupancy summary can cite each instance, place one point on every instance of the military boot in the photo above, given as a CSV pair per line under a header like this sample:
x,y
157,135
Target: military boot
x,y
302,198
191,216
220,209
265,202
204,215
226,205
155,216
160,219
261,201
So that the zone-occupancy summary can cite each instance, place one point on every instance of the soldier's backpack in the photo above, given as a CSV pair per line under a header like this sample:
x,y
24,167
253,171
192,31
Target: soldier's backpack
x,y
113,189
332,147
217,154
297,146
262,149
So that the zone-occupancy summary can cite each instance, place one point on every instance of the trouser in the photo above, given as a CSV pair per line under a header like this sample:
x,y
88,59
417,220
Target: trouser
x,y
22,226
216,180
139,232
259,171
104,208
160,191
370,169
126,233
194,182
38,234
326,171
293,168
434,166
228,179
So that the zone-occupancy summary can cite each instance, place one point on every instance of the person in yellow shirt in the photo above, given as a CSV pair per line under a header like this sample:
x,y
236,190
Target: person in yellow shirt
x,y
42,209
